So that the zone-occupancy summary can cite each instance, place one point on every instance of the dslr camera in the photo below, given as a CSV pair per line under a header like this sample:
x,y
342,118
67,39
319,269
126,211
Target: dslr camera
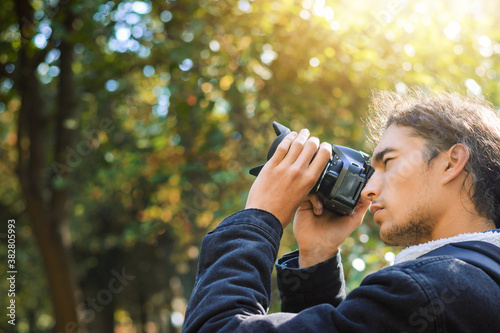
x,y
342,180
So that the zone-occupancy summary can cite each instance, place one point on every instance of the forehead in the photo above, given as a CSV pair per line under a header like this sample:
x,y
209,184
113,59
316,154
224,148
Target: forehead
x,y
399,138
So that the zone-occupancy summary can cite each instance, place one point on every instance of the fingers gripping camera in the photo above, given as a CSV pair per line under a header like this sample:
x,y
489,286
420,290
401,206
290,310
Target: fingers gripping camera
x,y
342,180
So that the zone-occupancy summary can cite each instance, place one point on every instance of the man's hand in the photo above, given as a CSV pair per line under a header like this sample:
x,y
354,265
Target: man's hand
x,y
319,232
289,175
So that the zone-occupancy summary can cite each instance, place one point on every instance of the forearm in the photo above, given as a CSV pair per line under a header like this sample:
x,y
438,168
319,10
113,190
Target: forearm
x,y
234,272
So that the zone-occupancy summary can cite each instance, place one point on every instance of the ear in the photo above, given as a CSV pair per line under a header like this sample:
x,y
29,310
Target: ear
x,y
456,159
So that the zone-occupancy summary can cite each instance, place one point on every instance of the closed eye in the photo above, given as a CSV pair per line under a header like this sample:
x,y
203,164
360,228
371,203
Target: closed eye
x,y
387,160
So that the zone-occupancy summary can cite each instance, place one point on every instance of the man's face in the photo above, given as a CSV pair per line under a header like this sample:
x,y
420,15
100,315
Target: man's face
x,y
404,189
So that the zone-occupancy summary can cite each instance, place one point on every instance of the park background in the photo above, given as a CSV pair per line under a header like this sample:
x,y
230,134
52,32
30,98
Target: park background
x,y
127,129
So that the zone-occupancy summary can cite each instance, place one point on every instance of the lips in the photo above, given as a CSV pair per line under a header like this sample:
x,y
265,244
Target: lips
x,y
375,208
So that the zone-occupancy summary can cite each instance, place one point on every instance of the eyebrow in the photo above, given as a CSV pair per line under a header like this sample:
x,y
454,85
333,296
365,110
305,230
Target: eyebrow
x,y
380,155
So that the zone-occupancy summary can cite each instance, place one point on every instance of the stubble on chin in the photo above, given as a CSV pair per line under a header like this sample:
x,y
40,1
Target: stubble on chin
x,y
417,229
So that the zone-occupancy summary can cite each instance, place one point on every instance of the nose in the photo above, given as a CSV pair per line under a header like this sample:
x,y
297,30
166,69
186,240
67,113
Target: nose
x,y
372,189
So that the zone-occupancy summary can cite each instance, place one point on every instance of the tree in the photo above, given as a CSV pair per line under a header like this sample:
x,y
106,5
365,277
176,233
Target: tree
x,y
48,206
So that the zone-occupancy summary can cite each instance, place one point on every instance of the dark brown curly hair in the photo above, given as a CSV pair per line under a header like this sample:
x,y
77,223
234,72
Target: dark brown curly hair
x,y
445,119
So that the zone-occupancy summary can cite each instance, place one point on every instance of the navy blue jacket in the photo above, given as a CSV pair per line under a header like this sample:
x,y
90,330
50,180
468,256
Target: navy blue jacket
x,y
233,289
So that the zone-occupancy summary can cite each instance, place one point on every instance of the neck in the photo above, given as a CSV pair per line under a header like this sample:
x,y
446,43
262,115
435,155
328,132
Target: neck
x,y
458,214
460,221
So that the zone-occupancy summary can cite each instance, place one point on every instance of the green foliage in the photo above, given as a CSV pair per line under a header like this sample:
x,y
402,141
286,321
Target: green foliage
x,y
174,104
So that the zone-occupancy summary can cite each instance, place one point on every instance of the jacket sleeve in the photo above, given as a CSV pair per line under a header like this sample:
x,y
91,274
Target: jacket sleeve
x,y
234,272
233,288
302,288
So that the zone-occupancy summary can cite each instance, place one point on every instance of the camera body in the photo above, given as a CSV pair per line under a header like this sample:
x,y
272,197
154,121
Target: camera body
x,y
342,180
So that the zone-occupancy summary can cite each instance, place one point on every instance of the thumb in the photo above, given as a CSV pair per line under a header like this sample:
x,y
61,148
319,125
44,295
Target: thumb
x,y
317,204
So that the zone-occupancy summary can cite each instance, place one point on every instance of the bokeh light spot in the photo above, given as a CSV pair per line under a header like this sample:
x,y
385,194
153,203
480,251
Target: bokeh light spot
x,y
112,85
177,319
214,45
245,6
314,62
364,238
123,34
148,70
186,65
141,7
166,16
390,257
359,264
43,68
40,41
452,30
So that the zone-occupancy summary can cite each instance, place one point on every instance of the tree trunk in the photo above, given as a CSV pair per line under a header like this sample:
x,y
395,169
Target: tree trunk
x,y
49,218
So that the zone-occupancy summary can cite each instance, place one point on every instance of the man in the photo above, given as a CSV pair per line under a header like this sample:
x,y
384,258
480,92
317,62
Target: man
x,y
436,182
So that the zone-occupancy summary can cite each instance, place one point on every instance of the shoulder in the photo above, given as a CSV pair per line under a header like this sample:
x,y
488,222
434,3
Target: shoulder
x,y
439,280
432,279
428,294
439,270
432,271
430,276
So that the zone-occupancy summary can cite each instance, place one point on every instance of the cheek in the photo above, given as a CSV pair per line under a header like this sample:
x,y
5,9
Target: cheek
x,y
398,180
408,168
403,181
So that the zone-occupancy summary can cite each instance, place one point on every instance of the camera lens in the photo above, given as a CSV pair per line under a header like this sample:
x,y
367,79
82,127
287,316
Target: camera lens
x,y
329,179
